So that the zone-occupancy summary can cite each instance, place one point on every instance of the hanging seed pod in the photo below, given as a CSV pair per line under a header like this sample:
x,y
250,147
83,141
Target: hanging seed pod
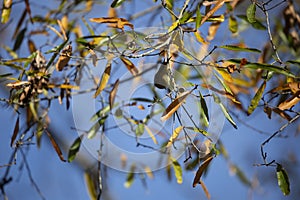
x,y
64,58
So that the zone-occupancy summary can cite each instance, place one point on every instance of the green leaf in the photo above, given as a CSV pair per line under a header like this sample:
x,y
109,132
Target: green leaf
x,y
5,75
6,9
19,39
198,130
74,148
139,131
198,18
225,111
204,110
237,48
100,113
186,16
233,24
257,24
95,128
240,174
251,10
178,170
256,98
116,3
295,62
272,68
283,180
130,177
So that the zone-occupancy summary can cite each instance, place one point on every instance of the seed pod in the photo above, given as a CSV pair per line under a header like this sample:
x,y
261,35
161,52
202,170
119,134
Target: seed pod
x,y
162,78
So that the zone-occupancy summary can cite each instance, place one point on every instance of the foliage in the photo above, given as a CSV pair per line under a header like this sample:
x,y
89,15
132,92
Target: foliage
x,y
232,75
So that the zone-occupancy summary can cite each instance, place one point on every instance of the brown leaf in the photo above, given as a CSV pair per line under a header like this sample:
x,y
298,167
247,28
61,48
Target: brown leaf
x,y
113,21
173,107
15,133
28,10
130,66
55,146
207,194
290,102
112,94
31,46
201,169
218,5
64,58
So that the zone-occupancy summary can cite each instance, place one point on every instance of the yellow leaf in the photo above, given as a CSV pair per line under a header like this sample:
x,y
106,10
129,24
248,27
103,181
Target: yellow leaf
x,y
112,94
64,86
151,134
130,66
104,79
174,135
218,5
178,170
199,37
148,172
113,21
173,107
90,184
290,102
6,9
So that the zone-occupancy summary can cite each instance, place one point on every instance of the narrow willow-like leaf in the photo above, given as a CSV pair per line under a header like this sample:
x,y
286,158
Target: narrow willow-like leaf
x,y
283,180
198,130
6,10
115,22
256,98
251,10
200,170
139,131
15,133
55,146
116,3
173,107
100,113
90,184
272,68
56,50
233,24
104,80
198,18
151,134
204,188
74,148
130,177
19,39
177,169
240,174
95,128
225,111
130,66
204,110
174,136
257,24
242,49
112,94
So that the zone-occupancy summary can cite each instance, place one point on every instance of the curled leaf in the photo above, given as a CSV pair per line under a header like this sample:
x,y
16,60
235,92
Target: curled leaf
x,y
64,58
74,148
174,136
130,66
113,92
104,80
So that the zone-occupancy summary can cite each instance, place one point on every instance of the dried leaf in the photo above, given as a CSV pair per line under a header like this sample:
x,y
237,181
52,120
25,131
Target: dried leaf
x,y
55,146
114,22
64,58
174,136
218,5
31,46
19,39
200,170
94,57
283,180
290,102
74,148
204,188
173,107
130,66
256,98
113,92
19,25
104,79
151,134
28,10
178,170
15,133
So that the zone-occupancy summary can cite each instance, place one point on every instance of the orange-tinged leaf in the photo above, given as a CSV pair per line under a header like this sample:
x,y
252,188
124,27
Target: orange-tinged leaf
x,y
31,46
15,133
113,21
173,107
290,102
201,169
55,146
130,66
294,86
104,80
218,5
148,172
64,86
64,58
113,92
150,134
204,188
174,136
